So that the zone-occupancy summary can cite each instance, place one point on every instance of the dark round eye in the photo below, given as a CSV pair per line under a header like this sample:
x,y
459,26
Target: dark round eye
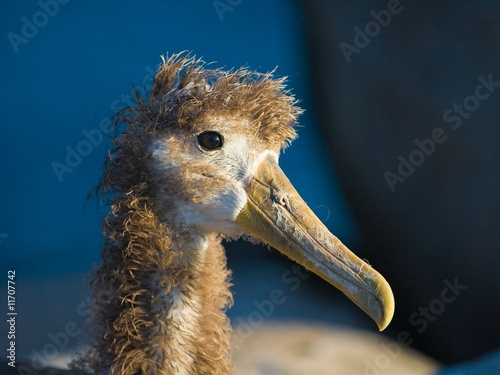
x,y
210,140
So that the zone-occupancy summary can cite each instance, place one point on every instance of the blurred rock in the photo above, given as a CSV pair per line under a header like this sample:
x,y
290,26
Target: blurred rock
x,y
297,349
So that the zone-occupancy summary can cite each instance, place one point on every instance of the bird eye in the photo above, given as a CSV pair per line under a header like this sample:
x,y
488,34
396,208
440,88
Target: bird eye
x,y
210,140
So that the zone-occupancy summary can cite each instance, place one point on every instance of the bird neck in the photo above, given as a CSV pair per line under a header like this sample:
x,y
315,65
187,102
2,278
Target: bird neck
x,y
190,298
164,296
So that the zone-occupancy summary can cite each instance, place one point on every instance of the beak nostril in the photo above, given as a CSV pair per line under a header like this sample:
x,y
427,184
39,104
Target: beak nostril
x,y
280,199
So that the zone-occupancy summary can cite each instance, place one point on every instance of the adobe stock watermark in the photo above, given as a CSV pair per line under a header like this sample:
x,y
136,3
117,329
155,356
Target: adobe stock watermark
x,y
420,320
244,327
453,116
223,6
94,137
32,25
363,37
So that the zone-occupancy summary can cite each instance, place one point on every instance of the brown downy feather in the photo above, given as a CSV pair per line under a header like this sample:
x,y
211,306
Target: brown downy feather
x,y
138,246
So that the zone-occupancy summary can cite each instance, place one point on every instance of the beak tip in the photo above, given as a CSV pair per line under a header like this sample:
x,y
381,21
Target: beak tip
x,y
387,306
378,301
384,322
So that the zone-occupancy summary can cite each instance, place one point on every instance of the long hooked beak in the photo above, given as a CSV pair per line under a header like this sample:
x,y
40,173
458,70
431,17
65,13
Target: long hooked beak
x,y
277,215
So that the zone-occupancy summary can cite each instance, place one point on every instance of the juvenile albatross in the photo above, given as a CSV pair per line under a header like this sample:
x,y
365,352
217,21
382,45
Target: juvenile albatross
x,y
194,163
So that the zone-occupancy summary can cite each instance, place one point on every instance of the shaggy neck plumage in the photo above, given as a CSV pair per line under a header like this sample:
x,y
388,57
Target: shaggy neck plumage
x,y
160,292
159,298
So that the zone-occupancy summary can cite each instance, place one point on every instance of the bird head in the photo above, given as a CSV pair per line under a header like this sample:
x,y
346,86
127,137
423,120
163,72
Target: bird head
x,y
207,144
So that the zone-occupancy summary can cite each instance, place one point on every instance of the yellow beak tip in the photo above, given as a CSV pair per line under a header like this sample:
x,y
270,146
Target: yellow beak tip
x,y
387,306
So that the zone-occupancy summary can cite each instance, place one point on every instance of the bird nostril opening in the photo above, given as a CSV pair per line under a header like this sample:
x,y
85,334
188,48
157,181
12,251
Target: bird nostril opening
x,y
280,199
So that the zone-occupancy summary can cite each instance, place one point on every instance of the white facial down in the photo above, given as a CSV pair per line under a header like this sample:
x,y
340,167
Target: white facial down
x,y
204,188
